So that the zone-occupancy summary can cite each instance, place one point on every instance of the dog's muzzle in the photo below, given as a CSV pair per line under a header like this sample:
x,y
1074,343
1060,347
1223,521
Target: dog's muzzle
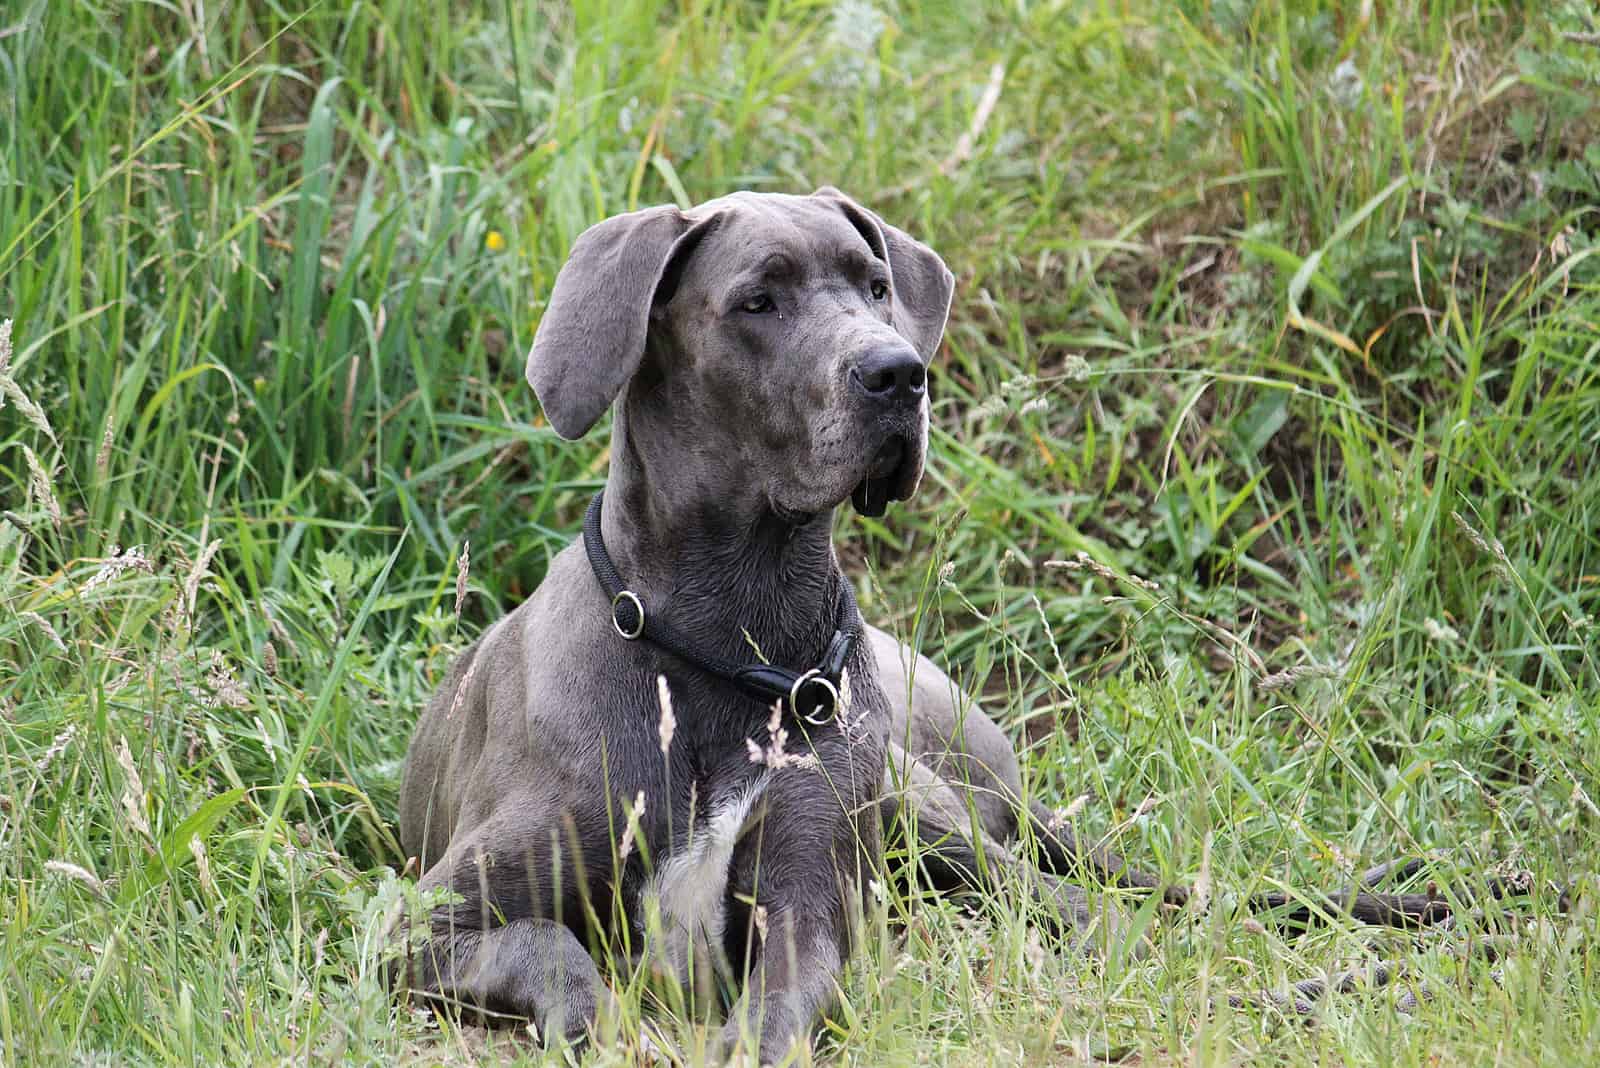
x,y
891,475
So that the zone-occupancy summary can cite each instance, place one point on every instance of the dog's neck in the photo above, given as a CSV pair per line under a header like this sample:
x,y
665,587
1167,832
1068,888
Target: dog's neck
x,y
717,569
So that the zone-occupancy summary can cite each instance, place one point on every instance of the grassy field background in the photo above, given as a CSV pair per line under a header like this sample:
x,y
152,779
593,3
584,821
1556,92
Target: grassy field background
x,y
1289,308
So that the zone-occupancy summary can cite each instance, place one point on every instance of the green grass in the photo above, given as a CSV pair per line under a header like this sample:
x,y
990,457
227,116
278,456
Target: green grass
x,y
1292,311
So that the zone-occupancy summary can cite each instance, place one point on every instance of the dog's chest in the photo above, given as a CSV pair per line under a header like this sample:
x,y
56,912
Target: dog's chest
x,y
685,901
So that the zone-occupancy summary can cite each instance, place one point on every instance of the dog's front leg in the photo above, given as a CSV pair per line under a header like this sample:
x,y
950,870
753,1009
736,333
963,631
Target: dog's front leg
x,y
796,968
804,866
532,969
498,948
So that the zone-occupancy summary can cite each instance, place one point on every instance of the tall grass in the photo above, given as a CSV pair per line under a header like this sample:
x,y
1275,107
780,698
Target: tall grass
x,y
1288,310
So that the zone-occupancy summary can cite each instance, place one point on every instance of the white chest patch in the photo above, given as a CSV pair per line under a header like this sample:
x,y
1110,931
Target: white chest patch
x,y
688,894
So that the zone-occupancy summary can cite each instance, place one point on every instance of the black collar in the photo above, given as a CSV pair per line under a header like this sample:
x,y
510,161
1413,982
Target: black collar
x,y
812,694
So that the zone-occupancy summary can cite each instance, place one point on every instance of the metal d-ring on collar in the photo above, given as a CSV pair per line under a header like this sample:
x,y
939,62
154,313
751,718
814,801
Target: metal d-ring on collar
x,y
630,599
813,694
821,713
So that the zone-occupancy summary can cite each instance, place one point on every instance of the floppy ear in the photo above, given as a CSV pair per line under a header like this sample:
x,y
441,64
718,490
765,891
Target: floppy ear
x,y
920,285
592,336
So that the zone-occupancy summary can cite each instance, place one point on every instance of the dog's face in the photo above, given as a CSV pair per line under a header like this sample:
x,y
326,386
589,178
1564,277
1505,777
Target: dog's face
x,y
773,346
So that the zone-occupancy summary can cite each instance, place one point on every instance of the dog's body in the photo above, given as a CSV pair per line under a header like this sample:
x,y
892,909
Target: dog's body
x,y
767,356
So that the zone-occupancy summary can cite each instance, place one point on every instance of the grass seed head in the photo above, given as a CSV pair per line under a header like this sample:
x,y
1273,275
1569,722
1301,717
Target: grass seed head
x,y
635,813
102,458
200,569
78,874
133,795
1491,548
30,411
119,561
668,723
1282,680
44,625
58,745
775,754
463,569
9,388
202,865
1082,561
40,487
226,690
462,687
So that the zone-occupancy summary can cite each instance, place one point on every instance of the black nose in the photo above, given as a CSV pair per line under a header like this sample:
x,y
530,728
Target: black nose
x,y
891,376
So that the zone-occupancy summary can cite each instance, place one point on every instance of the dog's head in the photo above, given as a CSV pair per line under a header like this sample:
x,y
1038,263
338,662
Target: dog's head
x,y
765,345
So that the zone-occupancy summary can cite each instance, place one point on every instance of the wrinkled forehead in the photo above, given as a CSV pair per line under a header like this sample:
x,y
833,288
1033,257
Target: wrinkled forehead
x,y
784,238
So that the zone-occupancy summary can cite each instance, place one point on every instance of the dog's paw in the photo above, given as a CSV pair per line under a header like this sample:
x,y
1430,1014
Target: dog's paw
x,y
653,1047
778,1041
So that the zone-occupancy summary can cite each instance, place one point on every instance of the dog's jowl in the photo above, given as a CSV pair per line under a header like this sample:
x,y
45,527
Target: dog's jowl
x,y
766,357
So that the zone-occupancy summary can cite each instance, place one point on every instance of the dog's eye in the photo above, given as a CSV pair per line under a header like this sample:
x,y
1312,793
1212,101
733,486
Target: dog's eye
x,y
760,304
880,289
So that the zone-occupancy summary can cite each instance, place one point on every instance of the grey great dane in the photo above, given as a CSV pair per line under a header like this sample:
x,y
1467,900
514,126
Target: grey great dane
x,y
767,357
